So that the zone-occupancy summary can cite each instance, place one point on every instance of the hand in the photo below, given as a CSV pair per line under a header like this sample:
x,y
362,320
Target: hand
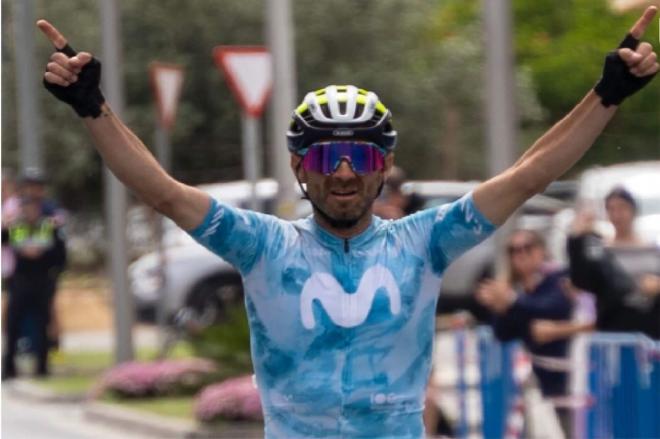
x,y
640,58
583,222
631,66
495,295
649,284
31,251
72,77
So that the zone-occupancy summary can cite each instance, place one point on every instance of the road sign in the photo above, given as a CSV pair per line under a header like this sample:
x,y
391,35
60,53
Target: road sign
x,y
166,82
249,74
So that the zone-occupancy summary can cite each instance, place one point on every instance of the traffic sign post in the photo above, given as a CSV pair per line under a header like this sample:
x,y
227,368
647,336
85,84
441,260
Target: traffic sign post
x,y
249,74
166,83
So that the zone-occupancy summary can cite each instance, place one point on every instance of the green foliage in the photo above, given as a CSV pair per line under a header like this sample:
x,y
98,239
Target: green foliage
x,y
565,47
227,343
424,58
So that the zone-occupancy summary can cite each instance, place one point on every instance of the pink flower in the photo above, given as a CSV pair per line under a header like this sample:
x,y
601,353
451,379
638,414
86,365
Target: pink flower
x,y
235,398
150,378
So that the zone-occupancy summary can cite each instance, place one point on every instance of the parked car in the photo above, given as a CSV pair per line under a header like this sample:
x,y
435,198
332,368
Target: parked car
x,y
203,283
187,275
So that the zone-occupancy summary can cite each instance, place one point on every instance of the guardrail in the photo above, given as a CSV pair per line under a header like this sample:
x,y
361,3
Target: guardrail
x,y
620,399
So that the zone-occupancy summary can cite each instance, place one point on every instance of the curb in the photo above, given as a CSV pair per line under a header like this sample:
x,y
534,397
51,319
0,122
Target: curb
x,y
135,420
162,427
27,390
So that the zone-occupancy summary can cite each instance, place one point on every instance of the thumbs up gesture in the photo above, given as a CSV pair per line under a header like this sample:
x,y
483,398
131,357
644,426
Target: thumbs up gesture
x,y
72,77
631,66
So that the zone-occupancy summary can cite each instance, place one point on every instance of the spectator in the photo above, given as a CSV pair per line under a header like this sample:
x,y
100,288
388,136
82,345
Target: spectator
x,y
33,184
394,203
627,298
40,257
535,292
10,211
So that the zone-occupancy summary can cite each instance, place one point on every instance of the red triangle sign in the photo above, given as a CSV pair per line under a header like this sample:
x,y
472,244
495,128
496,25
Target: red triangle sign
x,y
166,81
248,70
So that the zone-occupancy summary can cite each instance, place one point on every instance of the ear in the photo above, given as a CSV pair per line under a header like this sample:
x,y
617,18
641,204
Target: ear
x,y
296,167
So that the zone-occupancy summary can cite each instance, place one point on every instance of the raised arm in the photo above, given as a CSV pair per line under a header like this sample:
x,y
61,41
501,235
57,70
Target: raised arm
x,y
627,70
74,78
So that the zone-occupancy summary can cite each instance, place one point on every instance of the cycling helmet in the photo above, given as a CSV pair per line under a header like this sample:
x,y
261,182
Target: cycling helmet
x,y
340,112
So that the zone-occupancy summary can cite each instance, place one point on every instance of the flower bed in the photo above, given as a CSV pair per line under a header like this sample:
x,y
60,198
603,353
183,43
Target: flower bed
x,y
167,377
232,399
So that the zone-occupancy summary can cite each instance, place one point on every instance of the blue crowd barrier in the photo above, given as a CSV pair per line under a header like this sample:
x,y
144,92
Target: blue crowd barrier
x,y
498,387
623,386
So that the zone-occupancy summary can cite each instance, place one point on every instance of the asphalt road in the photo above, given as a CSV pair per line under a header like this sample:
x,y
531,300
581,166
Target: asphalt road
x,y
38,420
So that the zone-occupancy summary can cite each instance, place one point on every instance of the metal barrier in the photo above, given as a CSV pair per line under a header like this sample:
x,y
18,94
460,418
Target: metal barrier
x,y
623,386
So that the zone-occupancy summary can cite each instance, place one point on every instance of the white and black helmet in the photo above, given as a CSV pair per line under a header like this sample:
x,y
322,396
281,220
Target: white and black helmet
x,y
341,112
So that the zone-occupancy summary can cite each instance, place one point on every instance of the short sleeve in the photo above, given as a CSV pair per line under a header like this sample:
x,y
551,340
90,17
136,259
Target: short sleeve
x,y
455,228
241,237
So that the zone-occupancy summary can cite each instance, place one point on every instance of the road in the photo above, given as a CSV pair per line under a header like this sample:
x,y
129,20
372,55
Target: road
x,y
39,420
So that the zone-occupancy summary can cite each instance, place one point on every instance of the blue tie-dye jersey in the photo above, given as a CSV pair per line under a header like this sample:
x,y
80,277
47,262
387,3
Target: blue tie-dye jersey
x,y
342,330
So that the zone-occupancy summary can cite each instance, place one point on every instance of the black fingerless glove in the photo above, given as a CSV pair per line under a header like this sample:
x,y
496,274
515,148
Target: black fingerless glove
x,y
617,83
84,95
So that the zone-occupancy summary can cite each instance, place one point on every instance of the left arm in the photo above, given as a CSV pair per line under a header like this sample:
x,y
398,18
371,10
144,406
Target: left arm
x,y
567,141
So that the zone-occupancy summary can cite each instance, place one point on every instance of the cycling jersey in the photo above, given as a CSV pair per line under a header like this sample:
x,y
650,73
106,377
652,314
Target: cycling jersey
x,y
342,329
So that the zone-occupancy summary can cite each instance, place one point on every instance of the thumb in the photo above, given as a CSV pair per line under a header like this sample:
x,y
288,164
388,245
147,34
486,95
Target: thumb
x,y
81,59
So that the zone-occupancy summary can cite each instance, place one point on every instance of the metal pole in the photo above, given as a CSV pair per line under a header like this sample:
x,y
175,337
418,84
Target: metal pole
x,y
29,127
116,197
500,104
251,159
279,26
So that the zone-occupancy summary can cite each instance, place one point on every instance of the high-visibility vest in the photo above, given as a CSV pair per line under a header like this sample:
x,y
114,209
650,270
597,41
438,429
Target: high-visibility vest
x,y
22,234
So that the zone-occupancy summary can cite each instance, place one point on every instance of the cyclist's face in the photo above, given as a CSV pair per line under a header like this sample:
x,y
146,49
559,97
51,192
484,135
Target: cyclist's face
x,y
343,195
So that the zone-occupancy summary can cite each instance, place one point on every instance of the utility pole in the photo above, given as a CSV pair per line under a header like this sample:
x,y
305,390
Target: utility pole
x,y
115,192
500,103
29,127
279,26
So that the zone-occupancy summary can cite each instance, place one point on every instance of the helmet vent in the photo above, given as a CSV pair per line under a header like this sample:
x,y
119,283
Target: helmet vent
x,y
325,110
342,107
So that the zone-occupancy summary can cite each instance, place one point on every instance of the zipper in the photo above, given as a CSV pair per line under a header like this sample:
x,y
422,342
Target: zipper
x,y
345,245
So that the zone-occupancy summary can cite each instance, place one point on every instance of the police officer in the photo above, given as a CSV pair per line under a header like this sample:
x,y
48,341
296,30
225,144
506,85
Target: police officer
x,y
40,254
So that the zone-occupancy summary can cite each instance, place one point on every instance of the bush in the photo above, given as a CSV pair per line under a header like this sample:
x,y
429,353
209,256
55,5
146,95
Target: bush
x,y
232,399
167,377
227,343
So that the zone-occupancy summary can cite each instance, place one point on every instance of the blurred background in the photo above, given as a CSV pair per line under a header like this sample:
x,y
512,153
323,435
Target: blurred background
x,y
426,59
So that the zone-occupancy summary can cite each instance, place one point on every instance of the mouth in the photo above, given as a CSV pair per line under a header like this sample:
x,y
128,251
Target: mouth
x,y
343,194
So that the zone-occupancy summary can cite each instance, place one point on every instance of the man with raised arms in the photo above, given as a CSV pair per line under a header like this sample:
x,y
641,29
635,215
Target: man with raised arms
x,y
341,304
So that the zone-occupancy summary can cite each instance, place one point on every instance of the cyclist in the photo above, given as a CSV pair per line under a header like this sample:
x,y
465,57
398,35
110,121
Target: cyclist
x,y
341,305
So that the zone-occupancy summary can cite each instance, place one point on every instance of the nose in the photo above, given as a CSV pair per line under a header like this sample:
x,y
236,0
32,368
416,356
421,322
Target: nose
x,y
344,170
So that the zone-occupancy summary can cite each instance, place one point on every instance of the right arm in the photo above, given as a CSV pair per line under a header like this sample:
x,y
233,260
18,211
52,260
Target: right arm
x,y
122,151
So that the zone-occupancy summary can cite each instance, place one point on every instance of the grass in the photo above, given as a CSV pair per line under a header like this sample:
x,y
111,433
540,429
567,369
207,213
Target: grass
x,y
85,362
78,372
68,385
180,407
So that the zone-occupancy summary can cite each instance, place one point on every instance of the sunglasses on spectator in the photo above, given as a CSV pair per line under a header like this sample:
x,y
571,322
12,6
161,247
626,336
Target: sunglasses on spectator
x,y
526,248
325,157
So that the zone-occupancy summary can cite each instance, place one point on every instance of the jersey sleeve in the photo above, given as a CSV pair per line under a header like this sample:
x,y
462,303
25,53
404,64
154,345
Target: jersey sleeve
x,y
449,230
241,237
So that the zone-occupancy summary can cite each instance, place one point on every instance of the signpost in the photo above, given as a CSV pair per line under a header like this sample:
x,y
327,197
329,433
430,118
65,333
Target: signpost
x,y
166,83
249,74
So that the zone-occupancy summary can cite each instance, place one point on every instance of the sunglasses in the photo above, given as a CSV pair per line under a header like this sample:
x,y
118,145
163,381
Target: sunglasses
x,y
325,157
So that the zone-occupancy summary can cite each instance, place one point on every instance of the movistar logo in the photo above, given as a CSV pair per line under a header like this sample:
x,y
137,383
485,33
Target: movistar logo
x,y
347,310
